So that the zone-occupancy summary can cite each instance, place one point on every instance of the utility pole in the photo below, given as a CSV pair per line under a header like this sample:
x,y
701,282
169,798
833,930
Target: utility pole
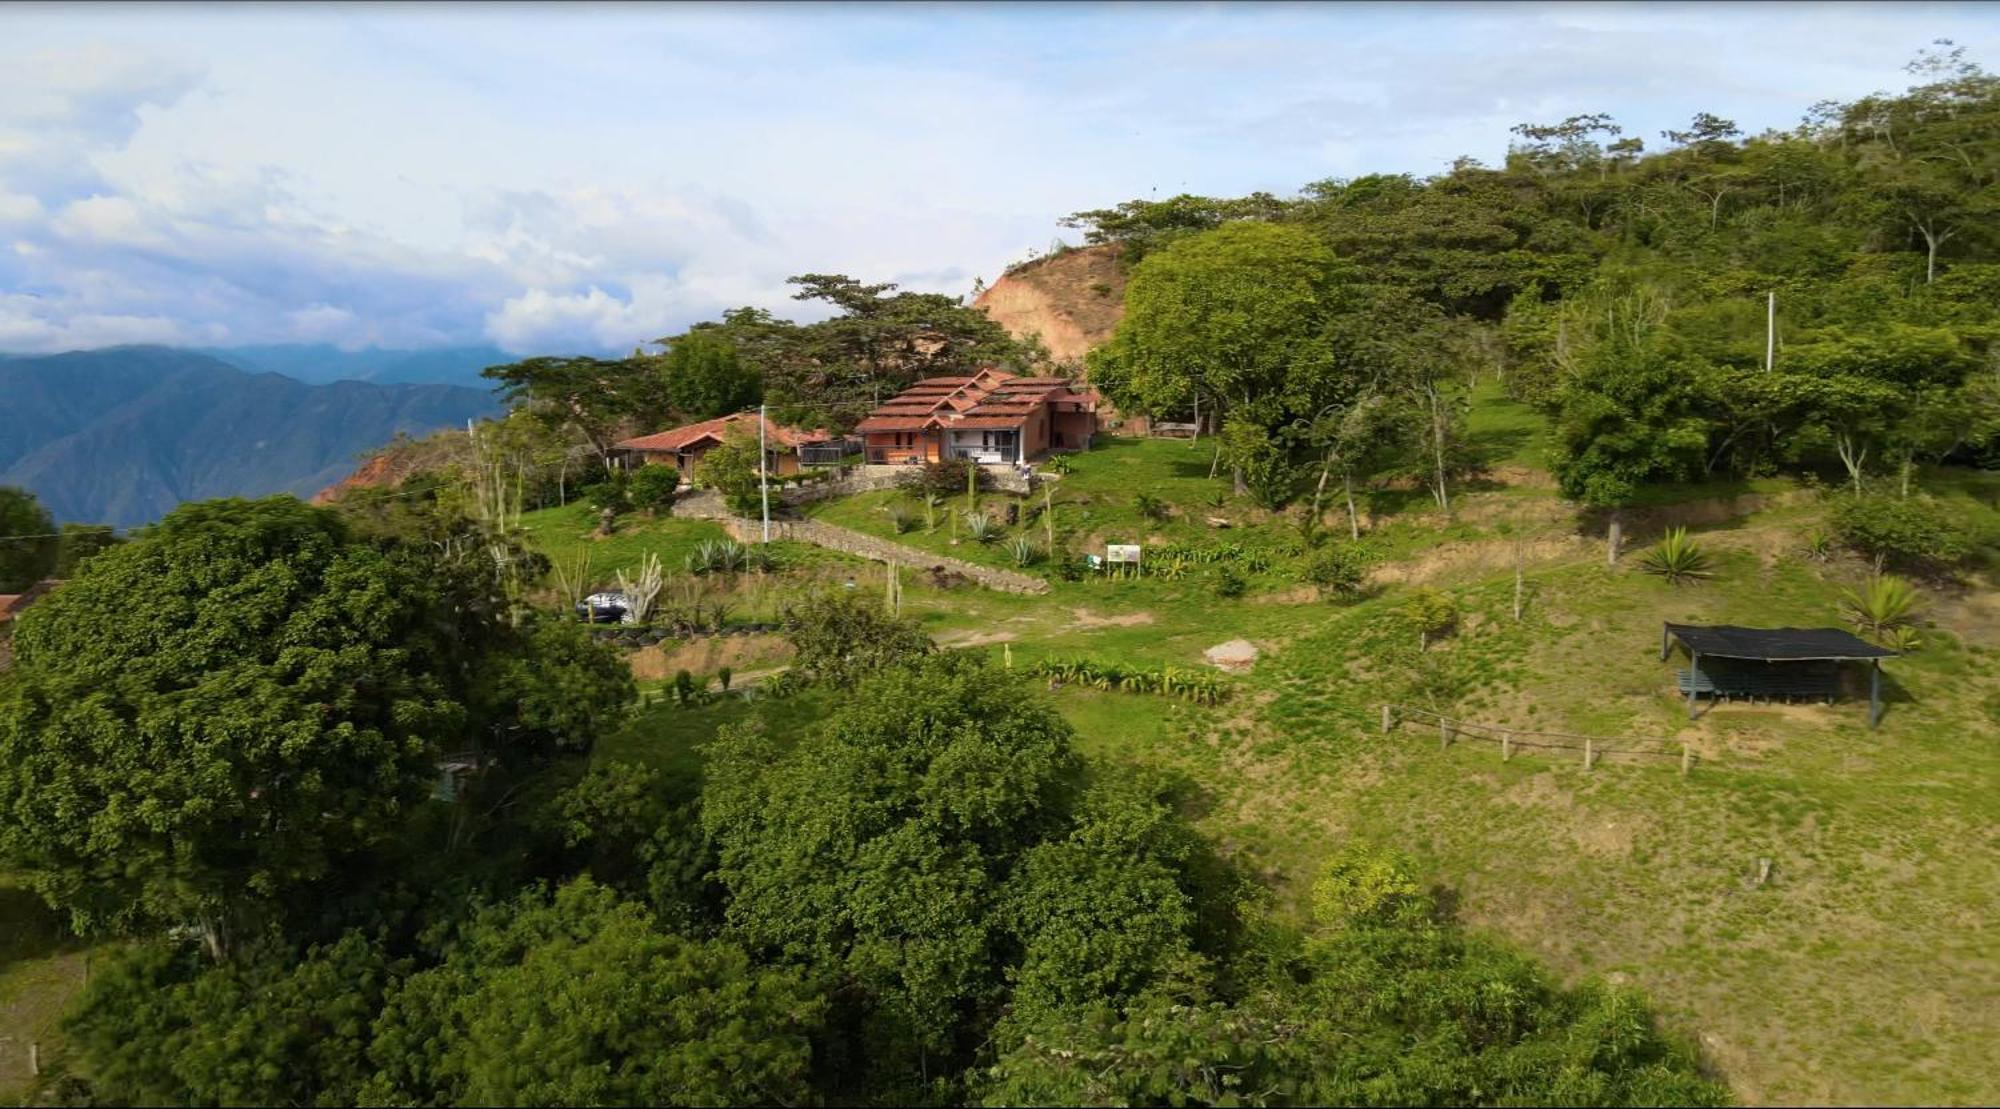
x,y
763,470
1770,331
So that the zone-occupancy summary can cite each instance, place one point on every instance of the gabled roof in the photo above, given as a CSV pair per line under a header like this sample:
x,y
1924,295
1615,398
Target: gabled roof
x,y
680,438
988,399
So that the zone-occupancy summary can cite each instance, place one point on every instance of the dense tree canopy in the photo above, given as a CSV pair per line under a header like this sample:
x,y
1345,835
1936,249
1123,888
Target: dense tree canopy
x,y
706,377
212,716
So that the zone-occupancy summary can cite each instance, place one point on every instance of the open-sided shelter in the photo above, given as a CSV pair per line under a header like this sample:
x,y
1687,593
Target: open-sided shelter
x,y
1772,663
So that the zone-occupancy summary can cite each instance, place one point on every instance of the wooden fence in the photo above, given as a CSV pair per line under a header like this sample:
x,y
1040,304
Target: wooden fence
x,y
1594,748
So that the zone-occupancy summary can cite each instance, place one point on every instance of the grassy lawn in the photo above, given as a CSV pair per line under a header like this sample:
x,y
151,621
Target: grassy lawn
x,y
565,533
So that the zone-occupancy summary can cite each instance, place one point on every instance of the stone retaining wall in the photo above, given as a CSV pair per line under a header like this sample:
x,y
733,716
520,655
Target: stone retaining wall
x,y
848,541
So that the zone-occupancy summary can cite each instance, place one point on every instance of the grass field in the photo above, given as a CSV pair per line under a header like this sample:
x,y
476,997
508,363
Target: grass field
x,y
1862,971
41,968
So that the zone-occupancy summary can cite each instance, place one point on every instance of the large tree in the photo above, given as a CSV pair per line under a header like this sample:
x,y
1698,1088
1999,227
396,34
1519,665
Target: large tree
x,y
595,398
706,378
1229,323
877,847
211,717
28,544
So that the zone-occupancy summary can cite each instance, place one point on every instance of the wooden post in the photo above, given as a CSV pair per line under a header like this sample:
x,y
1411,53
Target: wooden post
x,y
1506,746
1687,759
1444,733
1388,720
1875,693
1517,581
1587,742
34,1057
1694,679
1665,643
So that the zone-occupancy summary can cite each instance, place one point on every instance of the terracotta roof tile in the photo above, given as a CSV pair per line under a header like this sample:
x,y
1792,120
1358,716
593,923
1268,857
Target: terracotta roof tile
x,y
681,438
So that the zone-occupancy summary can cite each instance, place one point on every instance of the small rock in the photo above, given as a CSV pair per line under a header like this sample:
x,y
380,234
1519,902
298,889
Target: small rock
x,y
1235,656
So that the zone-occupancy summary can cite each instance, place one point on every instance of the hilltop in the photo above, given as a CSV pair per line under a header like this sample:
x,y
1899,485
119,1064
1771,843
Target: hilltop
x,y
1072,299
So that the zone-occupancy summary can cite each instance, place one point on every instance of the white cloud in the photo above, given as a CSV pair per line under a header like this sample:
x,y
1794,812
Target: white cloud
x,y
111,220
27,324
597,177
18,207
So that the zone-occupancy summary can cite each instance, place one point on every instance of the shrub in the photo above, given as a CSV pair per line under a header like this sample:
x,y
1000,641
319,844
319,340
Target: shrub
x,y
1905,531
1198,686
1676,558
946,478
684,691
901,519
1884,609
1360,885
610,493
1338,570
652,487
1151,507
723,675
1229,582
1431,613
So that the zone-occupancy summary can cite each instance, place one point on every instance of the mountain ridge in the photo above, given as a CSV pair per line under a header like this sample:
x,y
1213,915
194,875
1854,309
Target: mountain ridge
x,y
123,434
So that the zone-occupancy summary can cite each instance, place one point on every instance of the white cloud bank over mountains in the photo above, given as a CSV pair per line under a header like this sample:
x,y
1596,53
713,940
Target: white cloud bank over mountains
x,y
591,178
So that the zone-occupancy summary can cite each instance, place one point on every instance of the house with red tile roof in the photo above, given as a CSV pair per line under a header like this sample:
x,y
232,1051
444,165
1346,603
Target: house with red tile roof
x,y
683,447
990,417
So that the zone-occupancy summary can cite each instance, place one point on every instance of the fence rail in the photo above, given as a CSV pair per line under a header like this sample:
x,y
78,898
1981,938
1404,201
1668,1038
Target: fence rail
x,y
1593,747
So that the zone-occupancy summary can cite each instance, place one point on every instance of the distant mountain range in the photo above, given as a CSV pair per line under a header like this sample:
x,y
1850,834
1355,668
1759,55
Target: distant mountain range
x,y
319,363
122,435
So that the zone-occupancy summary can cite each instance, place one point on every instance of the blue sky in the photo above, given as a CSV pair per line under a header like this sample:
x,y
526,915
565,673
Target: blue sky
x,y
590,177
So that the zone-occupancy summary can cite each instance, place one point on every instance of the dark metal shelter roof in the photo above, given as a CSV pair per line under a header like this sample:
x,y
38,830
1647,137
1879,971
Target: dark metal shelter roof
x,y
1776,644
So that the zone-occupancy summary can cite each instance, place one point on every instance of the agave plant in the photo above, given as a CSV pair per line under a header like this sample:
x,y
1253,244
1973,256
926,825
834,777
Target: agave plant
x,y
1676,558
702,559
900,519
1024,551
981,527
1884,609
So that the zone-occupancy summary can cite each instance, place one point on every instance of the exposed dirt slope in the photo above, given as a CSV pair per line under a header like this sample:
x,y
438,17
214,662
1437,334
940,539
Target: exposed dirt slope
x,y
398,461
1072,300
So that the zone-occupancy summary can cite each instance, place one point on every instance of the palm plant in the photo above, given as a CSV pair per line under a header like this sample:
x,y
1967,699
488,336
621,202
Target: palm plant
x,y
1884,609
1818,545
1676,558
1150,506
